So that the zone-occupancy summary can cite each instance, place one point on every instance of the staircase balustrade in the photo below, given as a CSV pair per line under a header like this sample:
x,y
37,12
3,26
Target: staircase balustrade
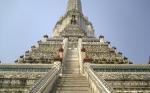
x,y
45,84
65,46
97,84
80,55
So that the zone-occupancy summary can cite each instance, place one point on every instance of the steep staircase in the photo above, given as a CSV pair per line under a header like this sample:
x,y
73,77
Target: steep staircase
x,y
71,80
71,65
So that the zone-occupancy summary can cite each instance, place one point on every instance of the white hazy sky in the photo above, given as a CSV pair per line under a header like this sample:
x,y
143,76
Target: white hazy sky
x,y
126,23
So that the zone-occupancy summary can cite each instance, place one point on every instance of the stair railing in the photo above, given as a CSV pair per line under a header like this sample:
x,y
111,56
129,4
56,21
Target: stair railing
x,y
65,46
97,84
80,55
45,84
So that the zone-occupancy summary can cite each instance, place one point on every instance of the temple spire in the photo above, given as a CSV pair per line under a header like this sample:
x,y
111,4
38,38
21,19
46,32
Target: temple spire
x,y
74,5
149,60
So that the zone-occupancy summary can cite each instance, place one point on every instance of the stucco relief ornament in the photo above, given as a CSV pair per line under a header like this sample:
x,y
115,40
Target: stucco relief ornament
x,y
87,60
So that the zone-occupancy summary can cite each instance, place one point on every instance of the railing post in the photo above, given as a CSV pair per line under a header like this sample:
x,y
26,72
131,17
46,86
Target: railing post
x,y
80,55
57,65
65,46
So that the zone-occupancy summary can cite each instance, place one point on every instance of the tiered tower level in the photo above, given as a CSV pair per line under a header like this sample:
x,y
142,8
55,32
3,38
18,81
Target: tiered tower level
x,y
74,23
74,26
73,60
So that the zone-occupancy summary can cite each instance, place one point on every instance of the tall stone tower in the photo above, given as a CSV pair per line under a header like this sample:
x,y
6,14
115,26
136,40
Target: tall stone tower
x,y
73,60
78,31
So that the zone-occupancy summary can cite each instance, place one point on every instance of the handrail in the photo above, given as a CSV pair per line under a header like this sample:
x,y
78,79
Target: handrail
x,y
100,83
65,42
49,79
80,55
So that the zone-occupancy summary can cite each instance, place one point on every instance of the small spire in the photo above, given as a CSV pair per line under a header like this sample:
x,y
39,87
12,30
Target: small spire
x,y
149,60
130,62
74,5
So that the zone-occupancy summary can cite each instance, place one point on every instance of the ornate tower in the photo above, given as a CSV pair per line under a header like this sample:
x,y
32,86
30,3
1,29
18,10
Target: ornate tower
x,y
74,61
73,23
73,31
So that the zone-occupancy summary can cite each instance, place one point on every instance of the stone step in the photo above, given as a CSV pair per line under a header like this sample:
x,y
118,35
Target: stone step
x,y
71,72
73,84
72,55
70,64
72,91
72,75
69,48
73,81
70,69
75,77
72,51
72,60
75,52
72,88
